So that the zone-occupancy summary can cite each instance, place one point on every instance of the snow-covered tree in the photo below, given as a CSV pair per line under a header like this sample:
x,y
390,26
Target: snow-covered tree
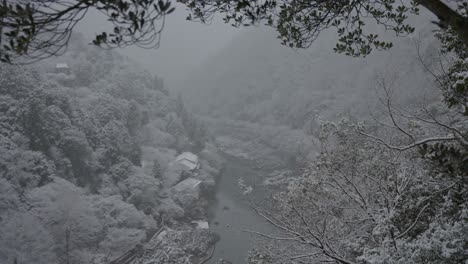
x,y
391,193
156,170
24,240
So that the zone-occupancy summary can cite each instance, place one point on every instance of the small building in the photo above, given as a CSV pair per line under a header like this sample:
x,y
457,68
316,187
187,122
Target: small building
x,y
187,184
189,160
62,68
200,224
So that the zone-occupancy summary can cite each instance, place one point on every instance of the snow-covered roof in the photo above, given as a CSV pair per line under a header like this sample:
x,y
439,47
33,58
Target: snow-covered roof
x,y
201,224
189,160
189,183
190,165
188,156
61,66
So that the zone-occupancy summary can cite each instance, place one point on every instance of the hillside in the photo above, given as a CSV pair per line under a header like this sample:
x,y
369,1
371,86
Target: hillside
x,y
88,167
256,79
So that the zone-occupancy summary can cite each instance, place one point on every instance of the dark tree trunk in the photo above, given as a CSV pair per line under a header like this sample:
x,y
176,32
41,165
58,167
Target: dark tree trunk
x,y
448,17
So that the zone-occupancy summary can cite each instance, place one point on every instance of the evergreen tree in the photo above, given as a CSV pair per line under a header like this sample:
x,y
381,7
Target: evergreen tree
x,y
156,171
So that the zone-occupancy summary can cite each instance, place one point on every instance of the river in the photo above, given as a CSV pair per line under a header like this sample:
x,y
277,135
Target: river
x,y
231,214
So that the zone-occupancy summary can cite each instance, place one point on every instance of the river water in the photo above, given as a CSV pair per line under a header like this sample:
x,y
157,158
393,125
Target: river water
x,y
232,214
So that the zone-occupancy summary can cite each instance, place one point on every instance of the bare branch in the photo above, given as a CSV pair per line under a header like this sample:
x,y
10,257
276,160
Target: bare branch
x,y
410,146
414,223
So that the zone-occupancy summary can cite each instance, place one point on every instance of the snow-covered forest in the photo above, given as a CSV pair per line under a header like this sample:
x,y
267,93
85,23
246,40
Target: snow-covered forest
x,y
261,153
88,161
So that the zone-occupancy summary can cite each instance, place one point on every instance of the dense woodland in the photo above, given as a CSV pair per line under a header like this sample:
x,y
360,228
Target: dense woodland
x,y
85,156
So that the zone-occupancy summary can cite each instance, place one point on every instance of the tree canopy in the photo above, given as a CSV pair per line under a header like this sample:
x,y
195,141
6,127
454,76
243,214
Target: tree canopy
x,y
33,30
37,29
300,22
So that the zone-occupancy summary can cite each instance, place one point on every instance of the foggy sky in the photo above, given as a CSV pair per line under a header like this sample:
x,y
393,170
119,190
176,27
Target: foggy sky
x,y
185,45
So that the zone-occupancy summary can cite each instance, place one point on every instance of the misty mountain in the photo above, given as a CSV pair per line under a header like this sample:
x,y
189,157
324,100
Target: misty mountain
x,y
256,79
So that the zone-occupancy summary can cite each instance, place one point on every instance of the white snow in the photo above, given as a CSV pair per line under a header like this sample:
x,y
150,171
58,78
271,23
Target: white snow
x,y
188,159
189,183
200,224
61,66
